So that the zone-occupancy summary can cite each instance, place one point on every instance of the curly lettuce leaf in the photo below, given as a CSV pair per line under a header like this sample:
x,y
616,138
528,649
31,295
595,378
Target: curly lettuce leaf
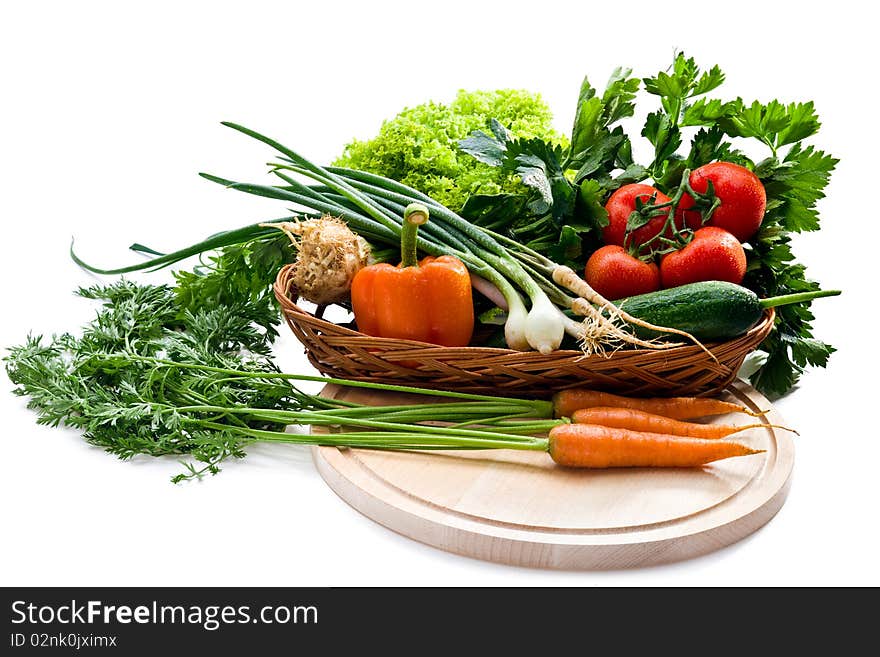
x,y
419,147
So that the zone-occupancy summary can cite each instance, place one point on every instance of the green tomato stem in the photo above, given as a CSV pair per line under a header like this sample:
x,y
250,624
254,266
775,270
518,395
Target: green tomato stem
x,y
679,237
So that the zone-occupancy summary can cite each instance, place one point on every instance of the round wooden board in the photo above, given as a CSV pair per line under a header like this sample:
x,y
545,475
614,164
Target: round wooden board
x,y
519,508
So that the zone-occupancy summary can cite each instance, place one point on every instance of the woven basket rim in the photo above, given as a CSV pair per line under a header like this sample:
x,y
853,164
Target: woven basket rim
x,y
284,293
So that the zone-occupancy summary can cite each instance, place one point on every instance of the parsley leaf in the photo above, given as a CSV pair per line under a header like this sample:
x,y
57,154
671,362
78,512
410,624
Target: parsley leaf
x,y
488,149
708,112
773,123
795,185
591,135
662,129
563,203
794,176
709,145
538,164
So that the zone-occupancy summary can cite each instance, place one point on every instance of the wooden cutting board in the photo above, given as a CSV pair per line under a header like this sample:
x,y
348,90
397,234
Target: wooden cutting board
x,y
519,508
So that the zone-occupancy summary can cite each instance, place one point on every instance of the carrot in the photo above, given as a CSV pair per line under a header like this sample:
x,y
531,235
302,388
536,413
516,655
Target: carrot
x,y
628,418
592,446
566,402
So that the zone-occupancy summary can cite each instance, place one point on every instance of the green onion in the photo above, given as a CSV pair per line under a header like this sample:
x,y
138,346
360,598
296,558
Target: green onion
x,y
373,207
541,328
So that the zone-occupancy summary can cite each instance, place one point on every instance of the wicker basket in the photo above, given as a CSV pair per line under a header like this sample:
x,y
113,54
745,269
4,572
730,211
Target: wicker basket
x,y
342,352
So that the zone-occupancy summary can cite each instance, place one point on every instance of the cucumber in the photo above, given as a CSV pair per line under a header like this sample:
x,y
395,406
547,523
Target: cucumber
x,y
709,310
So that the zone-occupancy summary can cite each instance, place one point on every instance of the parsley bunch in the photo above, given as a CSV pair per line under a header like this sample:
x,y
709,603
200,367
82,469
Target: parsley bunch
x,y
561,212
565,187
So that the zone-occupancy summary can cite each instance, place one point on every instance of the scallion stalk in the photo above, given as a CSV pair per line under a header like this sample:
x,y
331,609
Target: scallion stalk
x,y
372,205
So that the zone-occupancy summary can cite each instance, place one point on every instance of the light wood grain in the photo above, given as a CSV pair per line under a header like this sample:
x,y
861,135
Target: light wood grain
x,y
520,508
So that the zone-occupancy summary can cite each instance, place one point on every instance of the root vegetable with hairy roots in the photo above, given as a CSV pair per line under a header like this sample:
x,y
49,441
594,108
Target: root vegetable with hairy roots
x,y
329,254
602,324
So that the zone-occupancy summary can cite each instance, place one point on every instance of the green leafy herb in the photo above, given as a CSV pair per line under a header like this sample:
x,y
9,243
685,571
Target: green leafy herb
x,y
93,383
239,274
774,124
594,144
677,90
709,145
794,181
795,185
563,221
149,377
561,208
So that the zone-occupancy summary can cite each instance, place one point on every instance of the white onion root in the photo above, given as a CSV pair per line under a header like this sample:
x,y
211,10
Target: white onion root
x,y
603,324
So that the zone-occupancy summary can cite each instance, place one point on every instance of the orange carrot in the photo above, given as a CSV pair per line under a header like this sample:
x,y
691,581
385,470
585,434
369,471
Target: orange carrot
x,y
592,446
566,402
628,418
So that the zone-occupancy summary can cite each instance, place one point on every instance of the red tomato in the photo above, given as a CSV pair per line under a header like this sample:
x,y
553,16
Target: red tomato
x,y
743,199
621,204
713,255
615,274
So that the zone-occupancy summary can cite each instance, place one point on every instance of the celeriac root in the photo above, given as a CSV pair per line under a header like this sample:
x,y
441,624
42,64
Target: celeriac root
x,y
601,330
329,254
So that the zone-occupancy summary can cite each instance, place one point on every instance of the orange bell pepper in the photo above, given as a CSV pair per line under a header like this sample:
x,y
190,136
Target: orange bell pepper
x,y
428,301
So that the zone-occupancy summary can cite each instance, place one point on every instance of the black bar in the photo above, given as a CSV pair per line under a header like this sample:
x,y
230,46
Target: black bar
x,y
263,621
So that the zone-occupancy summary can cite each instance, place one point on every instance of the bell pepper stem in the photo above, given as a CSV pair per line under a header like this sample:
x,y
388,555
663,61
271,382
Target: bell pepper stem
x,y
414,216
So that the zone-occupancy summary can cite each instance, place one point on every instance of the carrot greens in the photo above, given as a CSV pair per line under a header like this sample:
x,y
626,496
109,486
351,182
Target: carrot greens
x,y
150,376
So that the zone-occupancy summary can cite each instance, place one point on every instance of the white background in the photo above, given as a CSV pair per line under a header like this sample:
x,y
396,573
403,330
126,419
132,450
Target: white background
x,y
109,111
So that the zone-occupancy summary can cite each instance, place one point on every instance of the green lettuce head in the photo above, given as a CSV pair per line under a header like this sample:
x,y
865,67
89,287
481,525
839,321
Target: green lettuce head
x,y
419,147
